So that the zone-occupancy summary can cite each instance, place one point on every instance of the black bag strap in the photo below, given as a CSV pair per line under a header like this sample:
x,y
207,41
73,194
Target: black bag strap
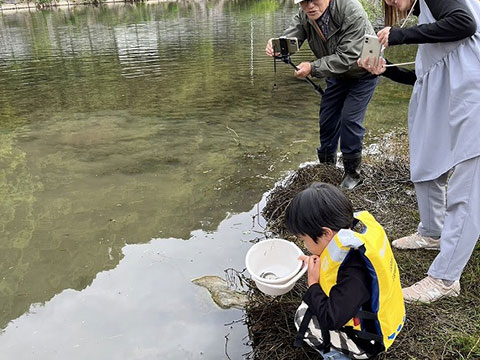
x,y
324,346
361,334
303,328
368,347
367,315
369,336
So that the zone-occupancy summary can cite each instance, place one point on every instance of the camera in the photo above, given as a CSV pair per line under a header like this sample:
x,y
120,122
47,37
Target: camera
x,y
285,46
282,48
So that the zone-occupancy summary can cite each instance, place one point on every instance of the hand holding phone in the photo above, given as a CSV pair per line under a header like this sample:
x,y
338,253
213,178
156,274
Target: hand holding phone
x,y
368,64
371,49
285,46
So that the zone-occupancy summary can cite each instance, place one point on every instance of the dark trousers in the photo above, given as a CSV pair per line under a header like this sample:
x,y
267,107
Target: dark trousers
x,y
342,112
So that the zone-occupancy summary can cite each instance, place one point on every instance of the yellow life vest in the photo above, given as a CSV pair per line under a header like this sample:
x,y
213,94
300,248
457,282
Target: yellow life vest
x,y
386,301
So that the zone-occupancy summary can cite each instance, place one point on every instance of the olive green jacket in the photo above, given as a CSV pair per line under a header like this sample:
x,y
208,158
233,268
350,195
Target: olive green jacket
x,y
337,56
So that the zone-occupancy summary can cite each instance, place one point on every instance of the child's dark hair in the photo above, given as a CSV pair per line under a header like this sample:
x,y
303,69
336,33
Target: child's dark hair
x,y
320,205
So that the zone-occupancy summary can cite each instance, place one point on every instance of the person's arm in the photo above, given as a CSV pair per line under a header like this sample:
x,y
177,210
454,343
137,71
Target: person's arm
x,y
346,297
394,73
400,75
454,22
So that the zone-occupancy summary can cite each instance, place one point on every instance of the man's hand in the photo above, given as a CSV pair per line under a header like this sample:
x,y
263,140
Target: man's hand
x,y
383,36
269,49
304,69
313,263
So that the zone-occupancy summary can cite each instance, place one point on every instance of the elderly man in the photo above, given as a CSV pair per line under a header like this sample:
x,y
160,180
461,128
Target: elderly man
x,y
334,30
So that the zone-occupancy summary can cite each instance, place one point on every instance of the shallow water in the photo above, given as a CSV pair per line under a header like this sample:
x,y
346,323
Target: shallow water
x,y
125,130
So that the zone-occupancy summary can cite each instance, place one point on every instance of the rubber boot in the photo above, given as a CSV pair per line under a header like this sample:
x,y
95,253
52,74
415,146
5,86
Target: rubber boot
x,y
352,177
325,158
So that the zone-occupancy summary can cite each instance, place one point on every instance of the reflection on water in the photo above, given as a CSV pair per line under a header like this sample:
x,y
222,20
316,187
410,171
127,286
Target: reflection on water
x,y
146,308
126,123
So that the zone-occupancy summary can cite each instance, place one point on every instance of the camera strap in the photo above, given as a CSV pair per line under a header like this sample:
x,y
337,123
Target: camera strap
x,y
319,31
403,24
400,64
409,13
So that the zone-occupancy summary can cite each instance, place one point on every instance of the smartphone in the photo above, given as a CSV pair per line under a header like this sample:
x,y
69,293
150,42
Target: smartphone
x,y
371,48
285,46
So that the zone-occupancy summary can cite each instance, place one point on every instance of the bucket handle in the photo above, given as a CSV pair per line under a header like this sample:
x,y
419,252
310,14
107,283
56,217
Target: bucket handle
x,y
289,283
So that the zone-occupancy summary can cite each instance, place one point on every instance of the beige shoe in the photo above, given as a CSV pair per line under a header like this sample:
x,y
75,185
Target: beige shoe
x,y
416,241
429,290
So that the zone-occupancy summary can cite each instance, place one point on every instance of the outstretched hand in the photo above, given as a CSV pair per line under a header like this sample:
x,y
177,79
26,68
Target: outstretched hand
x,y
313,263
383,36
373,66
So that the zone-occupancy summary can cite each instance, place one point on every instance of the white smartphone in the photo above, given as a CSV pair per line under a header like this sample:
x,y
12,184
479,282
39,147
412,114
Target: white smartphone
x,y
371,48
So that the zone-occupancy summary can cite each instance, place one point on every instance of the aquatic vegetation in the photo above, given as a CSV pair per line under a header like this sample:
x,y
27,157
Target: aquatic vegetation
x,y
222,294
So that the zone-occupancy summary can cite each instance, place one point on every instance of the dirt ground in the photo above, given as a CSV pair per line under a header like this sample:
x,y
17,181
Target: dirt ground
x,y
448,329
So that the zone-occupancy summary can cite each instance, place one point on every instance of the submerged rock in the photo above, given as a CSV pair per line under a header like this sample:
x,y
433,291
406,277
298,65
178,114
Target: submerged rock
x,y
221,293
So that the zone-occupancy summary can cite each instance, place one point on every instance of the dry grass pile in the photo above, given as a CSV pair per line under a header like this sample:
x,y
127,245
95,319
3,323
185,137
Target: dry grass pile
x,y
448,329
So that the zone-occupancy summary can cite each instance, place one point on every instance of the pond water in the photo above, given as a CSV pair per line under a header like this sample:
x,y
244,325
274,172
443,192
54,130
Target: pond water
x,y
136,145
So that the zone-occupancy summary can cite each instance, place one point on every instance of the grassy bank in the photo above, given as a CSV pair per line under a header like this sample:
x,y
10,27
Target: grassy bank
x,y
447,329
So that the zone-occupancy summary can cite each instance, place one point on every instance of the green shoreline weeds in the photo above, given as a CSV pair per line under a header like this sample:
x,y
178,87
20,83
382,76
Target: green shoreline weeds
x,y
448,329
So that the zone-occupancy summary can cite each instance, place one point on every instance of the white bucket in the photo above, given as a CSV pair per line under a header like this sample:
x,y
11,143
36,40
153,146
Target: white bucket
x,y
274,265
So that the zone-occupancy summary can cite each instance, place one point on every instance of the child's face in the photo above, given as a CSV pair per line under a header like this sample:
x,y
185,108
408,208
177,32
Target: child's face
x,y
316,248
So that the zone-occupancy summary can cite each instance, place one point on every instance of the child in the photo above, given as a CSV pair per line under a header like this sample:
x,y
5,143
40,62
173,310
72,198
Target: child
x,y
354,301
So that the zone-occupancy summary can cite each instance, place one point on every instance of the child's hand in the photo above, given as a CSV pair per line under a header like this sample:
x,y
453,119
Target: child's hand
x,y
313,263
304,259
